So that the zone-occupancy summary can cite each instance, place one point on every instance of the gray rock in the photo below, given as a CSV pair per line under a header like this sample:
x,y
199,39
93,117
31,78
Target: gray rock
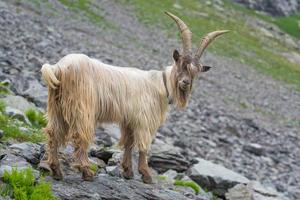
x,y
215,178
31,89
113,171
170,174
103,138
1,133
30,151
254,148
103,153
164,157
10,161
116,158
251,191
18,102
109,187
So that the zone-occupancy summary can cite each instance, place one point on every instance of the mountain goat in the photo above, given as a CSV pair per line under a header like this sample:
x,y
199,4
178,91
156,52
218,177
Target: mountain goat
x,y
84,91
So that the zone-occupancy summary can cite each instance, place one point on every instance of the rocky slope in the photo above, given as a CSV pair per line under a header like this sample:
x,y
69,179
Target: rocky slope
x,y
237,117
273,7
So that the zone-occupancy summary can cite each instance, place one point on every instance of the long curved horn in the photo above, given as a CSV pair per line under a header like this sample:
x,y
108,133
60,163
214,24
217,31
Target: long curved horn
x,y
186,34
206,40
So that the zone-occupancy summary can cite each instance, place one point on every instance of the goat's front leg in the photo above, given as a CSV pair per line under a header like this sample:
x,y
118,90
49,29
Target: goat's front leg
x,y
143,167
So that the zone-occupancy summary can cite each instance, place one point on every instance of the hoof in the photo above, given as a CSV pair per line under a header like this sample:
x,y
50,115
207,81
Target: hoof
x,y
87,175
128,174
147,179
57,174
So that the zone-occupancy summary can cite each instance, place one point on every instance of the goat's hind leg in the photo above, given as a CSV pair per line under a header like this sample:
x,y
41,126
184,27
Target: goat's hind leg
x,y
52,152
143,167
127,157
81,156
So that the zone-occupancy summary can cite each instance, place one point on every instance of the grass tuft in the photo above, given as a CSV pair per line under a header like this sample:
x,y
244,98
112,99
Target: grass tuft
x,y
190,184
36,118
20,185
11,128
94,167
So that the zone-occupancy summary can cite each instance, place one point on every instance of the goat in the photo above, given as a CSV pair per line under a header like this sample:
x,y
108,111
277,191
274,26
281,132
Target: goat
x,y
84,91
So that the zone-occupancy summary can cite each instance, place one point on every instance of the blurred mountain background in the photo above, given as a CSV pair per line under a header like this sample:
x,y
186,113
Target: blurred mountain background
x,y
240,130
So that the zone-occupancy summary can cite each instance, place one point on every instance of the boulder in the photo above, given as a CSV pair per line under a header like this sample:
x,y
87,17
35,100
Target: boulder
x,y
103,153
31,89
18,102
215,178
164,157
10,161
106,186
251,191
30,151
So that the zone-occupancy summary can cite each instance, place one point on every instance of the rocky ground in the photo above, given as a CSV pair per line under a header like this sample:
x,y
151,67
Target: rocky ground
x,y
237,117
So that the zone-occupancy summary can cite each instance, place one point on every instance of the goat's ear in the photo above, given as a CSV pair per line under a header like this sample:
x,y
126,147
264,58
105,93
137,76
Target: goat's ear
x,y
205,68
176,55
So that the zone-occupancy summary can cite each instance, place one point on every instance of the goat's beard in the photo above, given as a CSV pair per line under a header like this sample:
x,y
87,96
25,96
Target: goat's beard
x,y
180,96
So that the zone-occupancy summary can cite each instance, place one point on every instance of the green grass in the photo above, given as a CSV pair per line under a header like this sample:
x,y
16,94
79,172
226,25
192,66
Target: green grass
x,y
290,24
94,167
91,11
11,129
190,184
243,43
4,88
36,118
20,185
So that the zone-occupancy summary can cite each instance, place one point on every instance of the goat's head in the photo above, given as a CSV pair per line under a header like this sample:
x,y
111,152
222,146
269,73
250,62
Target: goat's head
x,y
186,66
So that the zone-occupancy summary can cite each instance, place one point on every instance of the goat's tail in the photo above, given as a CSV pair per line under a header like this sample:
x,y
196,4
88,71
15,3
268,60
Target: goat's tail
x,y
48,75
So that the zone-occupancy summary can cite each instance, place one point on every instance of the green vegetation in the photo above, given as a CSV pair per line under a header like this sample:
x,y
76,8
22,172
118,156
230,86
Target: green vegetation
x,y
161,178
94,167
290,24
36,118
190,184
11,128
243,43
4,88
91,11
20,185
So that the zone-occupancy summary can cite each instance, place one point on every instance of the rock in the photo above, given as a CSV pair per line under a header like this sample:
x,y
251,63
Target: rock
x,y
104,153
215,178
18,102
16,114
105,186
170,174
31,89
254,148
100,163
10,161
103,138
30,151
113,171
1,133
115,159
251,191
164,157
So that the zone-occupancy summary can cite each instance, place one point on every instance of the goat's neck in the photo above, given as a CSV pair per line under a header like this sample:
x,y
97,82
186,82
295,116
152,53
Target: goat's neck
x,y
167,84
